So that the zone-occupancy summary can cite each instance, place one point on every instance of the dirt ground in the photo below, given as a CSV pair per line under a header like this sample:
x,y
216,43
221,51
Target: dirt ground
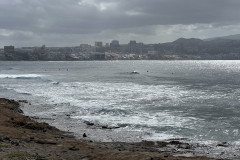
x,y
25,139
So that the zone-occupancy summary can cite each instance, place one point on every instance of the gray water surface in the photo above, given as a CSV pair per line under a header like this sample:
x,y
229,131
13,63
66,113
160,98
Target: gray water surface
x,y
197,100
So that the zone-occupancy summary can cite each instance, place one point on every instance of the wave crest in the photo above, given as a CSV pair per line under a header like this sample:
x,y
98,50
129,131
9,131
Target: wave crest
x,y
20,76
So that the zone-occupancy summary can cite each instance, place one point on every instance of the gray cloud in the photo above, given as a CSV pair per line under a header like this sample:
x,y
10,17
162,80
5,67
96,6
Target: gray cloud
x,y
113,18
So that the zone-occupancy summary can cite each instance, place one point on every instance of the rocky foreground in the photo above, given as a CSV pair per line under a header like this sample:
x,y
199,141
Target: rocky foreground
x,y
24,139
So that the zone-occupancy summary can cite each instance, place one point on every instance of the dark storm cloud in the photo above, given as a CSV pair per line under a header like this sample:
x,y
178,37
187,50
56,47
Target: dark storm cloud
x,y
186,11
89,16
111,18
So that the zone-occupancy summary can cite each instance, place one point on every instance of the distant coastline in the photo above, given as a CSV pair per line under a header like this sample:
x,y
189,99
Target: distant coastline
x,y
181,49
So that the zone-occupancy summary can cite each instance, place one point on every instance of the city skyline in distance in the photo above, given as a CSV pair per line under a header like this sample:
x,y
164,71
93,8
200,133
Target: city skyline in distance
x,y
60,23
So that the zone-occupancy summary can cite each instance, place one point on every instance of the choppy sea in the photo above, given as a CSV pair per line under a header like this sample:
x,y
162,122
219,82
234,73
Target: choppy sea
x,y
198,101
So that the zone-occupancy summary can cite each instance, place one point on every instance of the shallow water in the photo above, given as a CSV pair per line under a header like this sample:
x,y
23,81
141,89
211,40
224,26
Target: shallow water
x,y
197,100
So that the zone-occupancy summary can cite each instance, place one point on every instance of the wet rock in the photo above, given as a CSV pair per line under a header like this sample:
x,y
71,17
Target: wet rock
x,y
23,101
115,127
88,123
73,149
174,142
6,138
84,135
104,127
223,144
110,127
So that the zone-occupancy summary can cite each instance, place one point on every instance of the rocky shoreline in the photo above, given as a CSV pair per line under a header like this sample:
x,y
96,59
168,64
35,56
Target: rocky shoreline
x,y
23,138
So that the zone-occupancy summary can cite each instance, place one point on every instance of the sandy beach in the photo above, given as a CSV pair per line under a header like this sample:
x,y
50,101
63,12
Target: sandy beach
x,y
23,138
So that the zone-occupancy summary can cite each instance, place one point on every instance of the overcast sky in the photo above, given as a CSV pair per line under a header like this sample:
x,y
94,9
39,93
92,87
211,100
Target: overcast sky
x,y
73,22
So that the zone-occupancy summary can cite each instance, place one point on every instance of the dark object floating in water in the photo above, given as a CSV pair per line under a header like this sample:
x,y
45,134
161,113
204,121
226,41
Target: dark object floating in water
x,y
134,72
56,83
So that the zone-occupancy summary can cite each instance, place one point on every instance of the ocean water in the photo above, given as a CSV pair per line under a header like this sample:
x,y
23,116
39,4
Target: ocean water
x,y
195,100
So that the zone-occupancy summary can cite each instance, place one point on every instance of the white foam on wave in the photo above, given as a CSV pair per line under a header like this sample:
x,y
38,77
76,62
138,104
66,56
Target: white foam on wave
x,y
161,137
14,76
140,119
116,103
98,96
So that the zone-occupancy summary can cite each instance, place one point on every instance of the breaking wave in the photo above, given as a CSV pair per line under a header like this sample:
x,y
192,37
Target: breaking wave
x,y
20,76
